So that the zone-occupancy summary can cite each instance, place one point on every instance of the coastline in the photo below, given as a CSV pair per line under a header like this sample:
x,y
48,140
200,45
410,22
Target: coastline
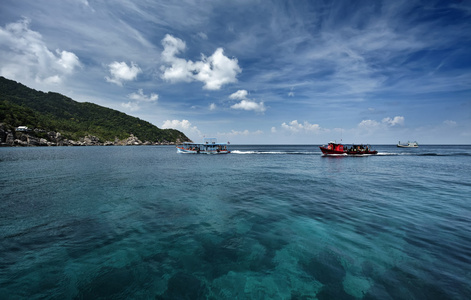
x,y
36,138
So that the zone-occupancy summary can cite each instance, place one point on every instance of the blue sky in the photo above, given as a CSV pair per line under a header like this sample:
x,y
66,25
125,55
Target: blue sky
x,y
248,72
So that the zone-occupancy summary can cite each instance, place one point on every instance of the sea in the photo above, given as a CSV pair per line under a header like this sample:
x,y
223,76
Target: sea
x,y
264,222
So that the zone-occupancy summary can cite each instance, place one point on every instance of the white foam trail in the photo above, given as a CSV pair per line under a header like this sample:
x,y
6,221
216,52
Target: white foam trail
x,y
270,152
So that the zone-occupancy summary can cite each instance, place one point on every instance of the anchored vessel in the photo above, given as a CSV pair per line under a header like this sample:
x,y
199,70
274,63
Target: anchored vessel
x,y
209,146
340,149
408,145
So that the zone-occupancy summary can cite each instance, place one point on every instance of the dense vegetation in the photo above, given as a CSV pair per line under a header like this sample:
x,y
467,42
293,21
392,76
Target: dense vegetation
x,y
23,106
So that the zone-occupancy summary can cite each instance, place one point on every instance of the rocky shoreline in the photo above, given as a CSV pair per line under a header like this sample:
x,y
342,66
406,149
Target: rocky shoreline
x,y
13,138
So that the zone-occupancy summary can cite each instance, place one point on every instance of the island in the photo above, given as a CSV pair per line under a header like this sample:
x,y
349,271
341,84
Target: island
x,y
33,118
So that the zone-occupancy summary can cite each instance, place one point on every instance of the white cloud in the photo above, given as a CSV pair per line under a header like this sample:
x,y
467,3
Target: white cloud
x,y
214,71
291,92
120,71
295,126
250,105
68,61
245,103
242,133
393,122
368,127
183,125
180,69
202,35
235,132
140,96
212,106
386,122
450,123
217,70
132,106
24,56
368,124
55,79
239,95
85,2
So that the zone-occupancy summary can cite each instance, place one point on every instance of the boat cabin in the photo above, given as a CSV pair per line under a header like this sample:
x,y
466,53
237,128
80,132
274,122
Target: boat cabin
x,y
335,147
209,146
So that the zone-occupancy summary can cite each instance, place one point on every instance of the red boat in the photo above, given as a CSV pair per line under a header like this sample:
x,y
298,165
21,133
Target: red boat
x,y
340,149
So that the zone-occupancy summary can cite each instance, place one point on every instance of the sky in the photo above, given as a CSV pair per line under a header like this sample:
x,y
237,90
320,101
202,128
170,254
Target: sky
x,y
255,72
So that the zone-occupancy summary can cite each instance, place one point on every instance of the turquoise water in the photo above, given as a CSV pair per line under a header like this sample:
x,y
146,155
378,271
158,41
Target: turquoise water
x,y
265,222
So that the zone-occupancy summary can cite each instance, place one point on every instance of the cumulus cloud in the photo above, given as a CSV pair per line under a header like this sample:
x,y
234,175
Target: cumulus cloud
x,y
294,126
120,71
183,125
388,122
180,69
245,103
140,96
212,106
67,60
250,105
242,133
214,71
132,106
395,121
368,124
235,132
25,56
137,98
239,95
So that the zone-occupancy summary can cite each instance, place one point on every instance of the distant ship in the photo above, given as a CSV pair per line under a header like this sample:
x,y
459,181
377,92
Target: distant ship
x,y
209,146
340,149
408,145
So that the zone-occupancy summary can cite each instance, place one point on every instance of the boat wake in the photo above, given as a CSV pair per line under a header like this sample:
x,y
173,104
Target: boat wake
x,y
275,152
262,152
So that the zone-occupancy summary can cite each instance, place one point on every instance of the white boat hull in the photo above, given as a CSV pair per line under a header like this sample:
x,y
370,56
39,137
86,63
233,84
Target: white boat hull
x,y
180,150
408,145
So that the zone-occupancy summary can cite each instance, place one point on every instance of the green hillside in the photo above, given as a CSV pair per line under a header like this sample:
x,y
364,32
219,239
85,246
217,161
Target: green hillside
x,y
23,106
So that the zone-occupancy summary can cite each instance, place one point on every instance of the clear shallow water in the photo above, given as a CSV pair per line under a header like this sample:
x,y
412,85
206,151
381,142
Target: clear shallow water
x,y
279,222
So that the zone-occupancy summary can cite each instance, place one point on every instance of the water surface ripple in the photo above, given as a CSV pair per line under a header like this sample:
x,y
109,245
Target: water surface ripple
x,y
265,222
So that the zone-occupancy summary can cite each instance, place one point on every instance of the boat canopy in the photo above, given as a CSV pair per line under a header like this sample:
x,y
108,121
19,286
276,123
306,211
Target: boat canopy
x,y
210,140
205,144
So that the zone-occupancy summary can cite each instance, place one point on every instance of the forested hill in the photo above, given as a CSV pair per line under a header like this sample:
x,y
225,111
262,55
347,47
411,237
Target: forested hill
x,y
53,112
